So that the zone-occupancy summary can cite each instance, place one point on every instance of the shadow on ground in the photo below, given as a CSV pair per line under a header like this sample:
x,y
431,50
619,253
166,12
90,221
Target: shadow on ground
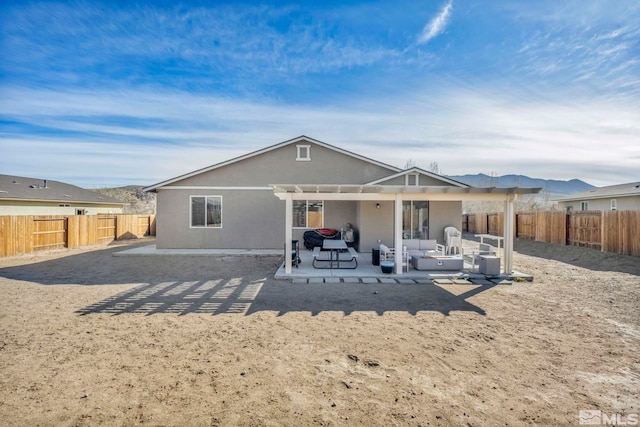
x,y
591,259
182,284
242,296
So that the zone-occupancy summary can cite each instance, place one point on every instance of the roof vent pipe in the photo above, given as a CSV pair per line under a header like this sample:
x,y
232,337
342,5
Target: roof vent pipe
x,y
45,184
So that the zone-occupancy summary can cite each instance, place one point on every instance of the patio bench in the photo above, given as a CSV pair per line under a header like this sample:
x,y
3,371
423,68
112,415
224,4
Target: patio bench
x,y
346,260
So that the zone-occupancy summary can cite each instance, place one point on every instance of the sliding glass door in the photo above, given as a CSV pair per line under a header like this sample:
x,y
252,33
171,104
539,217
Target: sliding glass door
x,y
415,220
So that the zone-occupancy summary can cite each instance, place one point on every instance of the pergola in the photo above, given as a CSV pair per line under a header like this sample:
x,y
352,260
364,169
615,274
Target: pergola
x,y
398,194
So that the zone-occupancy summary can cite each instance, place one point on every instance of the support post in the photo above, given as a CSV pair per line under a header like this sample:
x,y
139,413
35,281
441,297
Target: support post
x,y
508,234
397,234
288,233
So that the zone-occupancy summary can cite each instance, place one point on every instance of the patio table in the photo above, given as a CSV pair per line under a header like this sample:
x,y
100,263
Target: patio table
x,y
335,246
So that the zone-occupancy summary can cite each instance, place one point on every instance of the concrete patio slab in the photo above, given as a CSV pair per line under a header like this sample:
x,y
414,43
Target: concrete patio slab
x,y
366,272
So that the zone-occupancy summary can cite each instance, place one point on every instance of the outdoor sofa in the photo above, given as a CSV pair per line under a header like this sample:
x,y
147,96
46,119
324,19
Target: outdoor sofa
x,y
423,247
413,248
423,254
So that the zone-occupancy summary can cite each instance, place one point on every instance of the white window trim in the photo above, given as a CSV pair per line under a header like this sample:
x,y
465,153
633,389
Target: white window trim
x,y
306,149
191,212
306,215
416,179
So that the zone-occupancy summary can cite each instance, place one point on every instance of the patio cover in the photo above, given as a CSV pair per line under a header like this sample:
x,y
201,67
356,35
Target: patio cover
x,y
398,194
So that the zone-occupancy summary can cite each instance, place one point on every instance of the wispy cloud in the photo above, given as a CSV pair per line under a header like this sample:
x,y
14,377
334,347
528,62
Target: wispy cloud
x,y
465,130
91,88
228,46
437,25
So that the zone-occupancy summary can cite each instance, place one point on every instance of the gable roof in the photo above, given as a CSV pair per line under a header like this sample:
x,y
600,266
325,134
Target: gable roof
x,y
299,139
620,190
416,170
35,189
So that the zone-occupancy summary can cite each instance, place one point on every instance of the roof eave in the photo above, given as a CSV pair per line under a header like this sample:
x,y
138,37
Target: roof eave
x,y
21,199
404,189
597,197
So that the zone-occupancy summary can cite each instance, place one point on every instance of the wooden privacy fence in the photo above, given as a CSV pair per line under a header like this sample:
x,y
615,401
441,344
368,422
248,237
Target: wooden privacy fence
x,y
608,231
26,234
483,223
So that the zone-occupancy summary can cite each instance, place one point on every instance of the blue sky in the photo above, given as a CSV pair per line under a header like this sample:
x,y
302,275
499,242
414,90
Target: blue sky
x,y
117,93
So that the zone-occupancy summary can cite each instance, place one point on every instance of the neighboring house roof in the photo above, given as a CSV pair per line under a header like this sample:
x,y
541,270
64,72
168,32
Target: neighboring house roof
x,y
35,189
265,150
621,190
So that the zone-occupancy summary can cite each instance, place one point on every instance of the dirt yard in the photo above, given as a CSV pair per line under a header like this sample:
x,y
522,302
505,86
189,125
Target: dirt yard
x,y
91,339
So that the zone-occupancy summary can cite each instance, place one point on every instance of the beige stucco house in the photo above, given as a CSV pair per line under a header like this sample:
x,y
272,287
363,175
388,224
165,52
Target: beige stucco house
x,y
622,197
34,196
265,199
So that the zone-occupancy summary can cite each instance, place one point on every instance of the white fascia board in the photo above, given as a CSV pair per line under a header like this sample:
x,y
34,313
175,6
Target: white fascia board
x,y
586,198
207,187
62,201
392,196
415,170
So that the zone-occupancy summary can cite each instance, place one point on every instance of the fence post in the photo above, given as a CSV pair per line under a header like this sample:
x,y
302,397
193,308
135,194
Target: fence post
x,y
119,227
30,227
72,232
602,231
152,226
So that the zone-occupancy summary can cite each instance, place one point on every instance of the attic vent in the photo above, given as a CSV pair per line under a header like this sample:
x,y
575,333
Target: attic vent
x,y
304,153
66,195
3,191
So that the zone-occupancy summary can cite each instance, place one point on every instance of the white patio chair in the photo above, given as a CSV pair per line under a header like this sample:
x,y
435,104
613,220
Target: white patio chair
x,y
453,240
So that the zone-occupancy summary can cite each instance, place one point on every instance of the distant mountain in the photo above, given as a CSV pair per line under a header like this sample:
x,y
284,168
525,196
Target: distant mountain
x,y
139,201
554,188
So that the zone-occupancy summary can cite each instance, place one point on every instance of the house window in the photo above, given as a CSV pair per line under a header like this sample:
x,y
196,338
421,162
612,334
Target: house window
x,y
308,214
415,220
584,206
614,204
304,153
206,211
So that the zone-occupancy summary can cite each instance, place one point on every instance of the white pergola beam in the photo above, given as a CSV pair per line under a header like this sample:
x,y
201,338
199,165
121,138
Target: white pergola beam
x,y
507,249
288,234
398,194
